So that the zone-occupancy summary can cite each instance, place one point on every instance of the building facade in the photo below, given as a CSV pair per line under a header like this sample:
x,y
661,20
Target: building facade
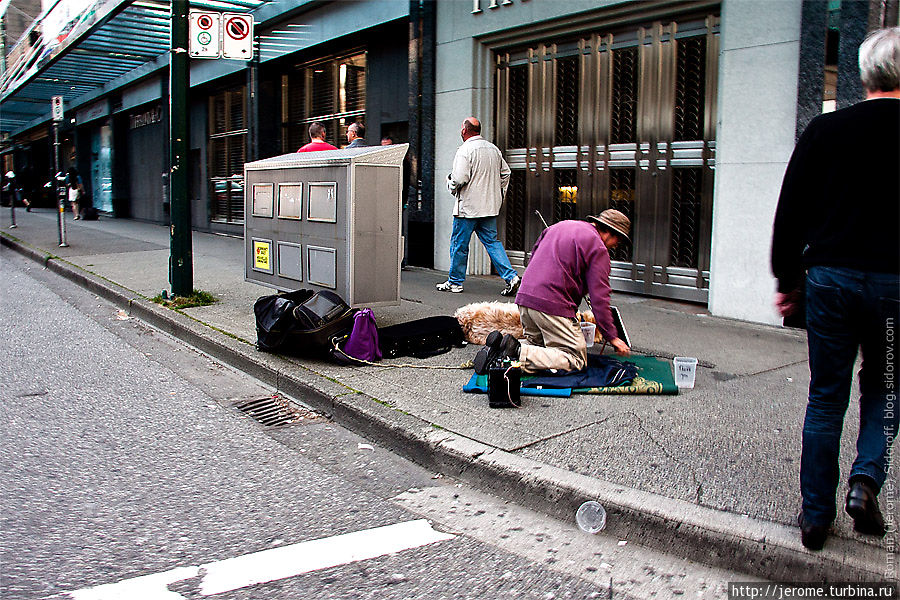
x,y
680,113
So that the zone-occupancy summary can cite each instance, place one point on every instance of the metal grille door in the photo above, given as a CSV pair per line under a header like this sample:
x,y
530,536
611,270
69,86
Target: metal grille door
x,y
624,120
226,152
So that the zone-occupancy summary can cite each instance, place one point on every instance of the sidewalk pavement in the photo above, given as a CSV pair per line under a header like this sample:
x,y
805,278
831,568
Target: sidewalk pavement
x,y
710,474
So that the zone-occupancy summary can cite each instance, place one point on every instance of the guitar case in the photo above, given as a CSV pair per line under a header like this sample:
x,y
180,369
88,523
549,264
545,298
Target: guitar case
x,y
421,338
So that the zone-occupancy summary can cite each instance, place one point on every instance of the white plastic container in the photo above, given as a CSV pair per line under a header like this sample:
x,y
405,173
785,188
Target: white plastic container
x,y
685,371
588,330
591,517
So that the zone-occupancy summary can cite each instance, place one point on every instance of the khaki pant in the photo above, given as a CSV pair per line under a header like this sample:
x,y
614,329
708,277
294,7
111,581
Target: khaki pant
x,y
551,342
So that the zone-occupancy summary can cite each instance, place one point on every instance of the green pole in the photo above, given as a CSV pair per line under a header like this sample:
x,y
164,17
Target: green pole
x,y
181,268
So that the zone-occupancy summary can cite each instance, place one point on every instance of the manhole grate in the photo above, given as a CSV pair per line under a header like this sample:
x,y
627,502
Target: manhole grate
x,y
274,410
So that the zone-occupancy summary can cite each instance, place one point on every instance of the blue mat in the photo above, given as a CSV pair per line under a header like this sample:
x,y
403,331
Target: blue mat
x,y
478,385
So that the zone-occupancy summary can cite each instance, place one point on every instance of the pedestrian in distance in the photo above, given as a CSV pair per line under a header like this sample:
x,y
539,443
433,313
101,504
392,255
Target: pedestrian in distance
x,y
569,259
7,186
74,191
478,182
837,221
317,139
356,135
13,190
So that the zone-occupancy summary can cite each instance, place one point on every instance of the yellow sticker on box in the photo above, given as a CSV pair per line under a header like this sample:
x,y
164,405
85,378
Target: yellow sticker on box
x,y
262,255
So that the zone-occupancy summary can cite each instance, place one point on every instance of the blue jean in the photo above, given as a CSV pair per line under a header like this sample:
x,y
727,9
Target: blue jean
x,y
486,230
847,310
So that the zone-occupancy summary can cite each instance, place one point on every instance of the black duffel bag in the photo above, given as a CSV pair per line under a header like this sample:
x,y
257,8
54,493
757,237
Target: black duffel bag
x,y
302,321
420,338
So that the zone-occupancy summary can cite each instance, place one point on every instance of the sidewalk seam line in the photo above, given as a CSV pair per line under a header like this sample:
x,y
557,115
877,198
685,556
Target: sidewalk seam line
x,y
773,369
559,433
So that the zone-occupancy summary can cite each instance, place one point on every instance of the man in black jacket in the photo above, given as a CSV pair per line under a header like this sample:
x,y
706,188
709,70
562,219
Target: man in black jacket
x,y
838,220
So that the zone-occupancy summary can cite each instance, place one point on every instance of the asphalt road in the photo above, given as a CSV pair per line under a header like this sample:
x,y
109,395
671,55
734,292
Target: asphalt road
x,y
123,457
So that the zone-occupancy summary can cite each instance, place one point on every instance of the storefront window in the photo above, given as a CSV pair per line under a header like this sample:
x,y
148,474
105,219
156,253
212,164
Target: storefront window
x,y
332,92
227,148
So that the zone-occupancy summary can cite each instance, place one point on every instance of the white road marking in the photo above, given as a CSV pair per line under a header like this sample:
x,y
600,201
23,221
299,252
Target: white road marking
x,y
288,561
271,565
146,587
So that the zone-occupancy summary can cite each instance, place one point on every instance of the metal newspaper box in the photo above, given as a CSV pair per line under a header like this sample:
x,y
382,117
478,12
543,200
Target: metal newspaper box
x,y
326,220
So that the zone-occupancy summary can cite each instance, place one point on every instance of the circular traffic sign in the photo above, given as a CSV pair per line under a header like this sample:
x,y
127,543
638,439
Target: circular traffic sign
x,y
204,22
237,28
204,38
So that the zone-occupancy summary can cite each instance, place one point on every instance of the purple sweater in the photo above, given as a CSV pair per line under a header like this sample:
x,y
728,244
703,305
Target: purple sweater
x,y
569,259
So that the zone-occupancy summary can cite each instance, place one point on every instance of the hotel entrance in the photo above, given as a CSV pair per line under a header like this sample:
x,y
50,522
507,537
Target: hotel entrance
x,y
620,119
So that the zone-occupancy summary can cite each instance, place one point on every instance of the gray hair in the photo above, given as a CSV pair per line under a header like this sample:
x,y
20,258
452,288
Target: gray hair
x,y
358,128
879,60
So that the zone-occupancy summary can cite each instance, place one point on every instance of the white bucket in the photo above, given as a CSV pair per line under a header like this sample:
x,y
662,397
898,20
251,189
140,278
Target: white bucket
x,y
588,330
685,371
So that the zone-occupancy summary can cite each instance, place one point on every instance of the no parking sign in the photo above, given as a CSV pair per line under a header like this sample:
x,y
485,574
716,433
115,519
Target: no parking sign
x,y
220,35
237,36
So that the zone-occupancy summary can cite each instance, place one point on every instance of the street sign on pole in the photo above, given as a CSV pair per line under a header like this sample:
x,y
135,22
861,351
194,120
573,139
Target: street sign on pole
x,y
56,105
237,36
181,259
205,34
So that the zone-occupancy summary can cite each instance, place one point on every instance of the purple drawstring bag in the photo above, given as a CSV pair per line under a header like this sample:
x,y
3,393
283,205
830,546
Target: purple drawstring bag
x,y
362,343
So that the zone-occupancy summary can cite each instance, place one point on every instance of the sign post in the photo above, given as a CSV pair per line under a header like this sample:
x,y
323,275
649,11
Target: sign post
x,y
58,110
181,261
195,34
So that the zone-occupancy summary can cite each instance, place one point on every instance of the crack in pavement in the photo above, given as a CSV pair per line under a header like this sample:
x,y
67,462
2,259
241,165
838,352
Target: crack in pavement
x,y
697,485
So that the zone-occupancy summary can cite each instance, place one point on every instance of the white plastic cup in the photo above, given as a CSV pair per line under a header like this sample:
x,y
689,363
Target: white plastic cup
x,y
591,517
685,371
588,330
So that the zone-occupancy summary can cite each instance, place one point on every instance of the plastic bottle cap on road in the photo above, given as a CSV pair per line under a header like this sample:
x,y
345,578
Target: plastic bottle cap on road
x,y
591,517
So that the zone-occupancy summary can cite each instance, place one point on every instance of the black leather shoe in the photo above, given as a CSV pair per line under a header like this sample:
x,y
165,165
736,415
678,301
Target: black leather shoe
x,y
812,536
511,347
493,349
862,505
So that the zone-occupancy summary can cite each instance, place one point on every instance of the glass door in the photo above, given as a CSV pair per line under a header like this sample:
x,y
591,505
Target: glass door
x,y
101,168
622,120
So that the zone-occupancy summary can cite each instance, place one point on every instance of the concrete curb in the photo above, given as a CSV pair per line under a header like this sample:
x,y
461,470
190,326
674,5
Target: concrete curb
x,y
758,548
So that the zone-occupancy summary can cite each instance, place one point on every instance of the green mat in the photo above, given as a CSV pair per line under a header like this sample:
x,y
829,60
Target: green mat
x,y
654,377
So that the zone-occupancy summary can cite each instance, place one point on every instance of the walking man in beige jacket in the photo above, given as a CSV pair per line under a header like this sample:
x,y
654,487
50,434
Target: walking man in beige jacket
x,y
478,181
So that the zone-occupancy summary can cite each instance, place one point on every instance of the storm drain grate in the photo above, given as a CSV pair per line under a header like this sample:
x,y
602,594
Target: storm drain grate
x,y
275,410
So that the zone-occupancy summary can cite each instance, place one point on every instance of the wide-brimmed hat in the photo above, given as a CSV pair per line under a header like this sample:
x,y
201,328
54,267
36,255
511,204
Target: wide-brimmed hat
x,y
614,220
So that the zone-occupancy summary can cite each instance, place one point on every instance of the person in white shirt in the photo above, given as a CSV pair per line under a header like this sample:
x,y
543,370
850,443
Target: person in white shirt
x,y
478,182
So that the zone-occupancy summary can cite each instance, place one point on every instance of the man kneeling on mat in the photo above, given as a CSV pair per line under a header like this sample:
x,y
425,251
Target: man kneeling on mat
x,y
569,259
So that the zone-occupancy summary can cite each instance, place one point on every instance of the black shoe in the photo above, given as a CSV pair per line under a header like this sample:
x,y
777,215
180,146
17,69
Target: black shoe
x,y
812,536
862,505
511,347
493,349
